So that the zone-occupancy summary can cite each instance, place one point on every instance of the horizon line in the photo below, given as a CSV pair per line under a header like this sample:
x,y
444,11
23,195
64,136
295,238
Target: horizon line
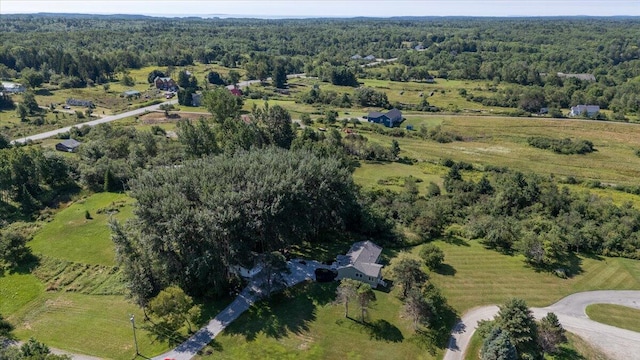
x,y
302,17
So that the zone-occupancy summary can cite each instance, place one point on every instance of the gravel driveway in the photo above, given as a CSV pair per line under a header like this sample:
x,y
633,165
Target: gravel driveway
x,y
614,342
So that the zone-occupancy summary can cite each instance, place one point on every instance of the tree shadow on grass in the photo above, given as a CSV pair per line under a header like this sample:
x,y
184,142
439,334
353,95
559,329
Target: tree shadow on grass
x,y
445,269
43,92
568,354
383,330
289,311
455,240
213,346
567,267
27,263
436,336
593,256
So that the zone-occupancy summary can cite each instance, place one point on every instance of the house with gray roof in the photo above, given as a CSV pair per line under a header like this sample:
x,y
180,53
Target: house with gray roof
x,y
68,145
361,263
13,88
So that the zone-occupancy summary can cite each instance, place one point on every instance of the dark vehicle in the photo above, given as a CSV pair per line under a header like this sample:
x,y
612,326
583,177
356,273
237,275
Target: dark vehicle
x,y
325,275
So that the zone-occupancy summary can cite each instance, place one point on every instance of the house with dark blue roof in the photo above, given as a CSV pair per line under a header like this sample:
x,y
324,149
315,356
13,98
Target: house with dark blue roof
x,y
390,119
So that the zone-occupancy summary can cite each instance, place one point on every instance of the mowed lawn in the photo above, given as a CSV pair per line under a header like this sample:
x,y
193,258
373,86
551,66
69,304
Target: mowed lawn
x,y
85,324
304,323
70,236
96,325
615,315
474,276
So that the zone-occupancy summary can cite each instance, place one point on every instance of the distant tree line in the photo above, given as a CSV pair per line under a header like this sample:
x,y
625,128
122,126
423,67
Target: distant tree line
x,y
98,49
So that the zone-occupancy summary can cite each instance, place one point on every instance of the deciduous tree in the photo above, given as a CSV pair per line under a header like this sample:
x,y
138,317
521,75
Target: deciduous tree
x,y
365,296
408,274
432,256
346,292
221,103
174,309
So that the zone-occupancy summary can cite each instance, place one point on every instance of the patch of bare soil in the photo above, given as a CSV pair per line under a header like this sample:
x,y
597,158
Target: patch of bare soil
x,y
159,117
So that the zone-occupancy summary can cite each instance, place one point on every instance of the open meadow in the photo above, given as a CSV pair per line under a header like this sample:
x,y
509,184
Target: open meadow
x,y
502,142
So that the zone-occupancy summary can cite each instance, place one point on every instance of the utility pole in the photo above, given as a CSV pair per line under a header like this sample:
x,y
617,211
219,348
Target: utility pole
x,y
135,340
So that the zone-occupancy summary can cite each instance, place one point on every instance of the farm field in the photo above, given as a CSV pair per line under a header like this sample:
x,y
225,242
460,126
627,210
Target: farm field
x,y
74,299
502,142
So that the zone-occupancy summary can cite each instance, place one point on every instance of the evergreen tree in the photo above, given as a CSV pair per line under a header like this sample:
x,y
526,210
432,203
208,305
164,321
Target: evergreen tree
x,y
498,346
551,333
516,319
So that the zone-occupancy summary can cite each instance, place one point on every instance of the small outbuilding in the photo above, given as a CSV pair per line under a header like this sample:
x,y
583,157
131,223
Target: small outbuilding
x,y
13,88
68,145
132,93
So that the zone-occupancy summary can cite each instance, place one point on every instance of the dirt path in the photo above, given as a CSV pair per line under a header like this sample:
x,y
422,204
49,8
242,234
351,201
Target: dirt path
x,y
615,342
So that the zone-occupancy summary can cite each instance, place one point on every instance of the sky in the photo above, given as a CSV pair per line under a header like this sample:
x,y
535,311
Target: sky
x,y
328,8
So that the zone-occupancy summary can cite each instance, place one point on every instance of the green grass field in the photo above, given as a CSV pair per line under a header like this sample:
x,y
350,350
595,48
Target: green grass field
x,y
70,236
501,141
615,315
474,276
87,324
372,175
303,323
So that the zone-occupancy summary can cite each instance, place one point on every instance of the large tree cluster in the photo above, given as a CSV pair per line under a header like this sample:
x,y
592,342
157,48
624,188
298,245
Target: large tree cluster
x,y
513,212
196,221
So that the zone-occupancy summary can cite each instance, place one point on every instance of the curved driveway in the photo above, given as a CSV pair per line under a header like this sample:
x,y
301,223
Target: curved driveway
x,y
615,342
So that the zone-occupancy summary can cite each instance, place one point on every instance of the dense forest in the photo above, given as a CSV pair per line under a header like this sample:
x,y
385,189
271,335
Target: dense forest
x,y
526,54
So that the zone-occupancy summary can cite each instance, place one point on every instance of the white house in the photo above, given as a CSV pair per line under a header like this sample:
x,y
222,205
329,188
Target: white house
x,y
581,109
13,88
361,263
244,272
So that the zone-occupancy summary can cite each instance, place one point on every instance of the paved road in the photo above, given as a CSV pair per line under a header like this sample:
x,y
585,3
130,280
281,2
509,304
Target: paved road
x,y
140,111
102,120
185,351
615,342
